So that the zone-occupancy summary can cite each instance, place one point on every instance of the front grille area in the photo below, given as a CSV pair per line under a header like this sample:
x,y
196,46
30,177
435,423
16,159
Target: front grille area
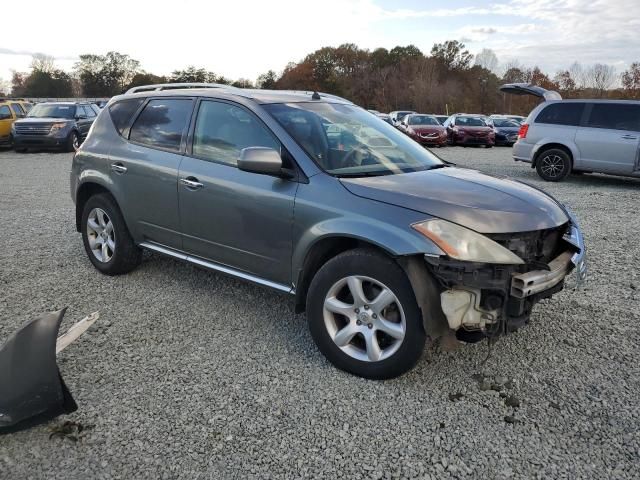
x,y
540,246
33,128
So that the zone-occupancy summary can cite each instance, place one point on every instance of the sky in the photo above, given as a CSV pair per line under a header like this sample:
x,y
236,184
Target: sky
x,y
243,39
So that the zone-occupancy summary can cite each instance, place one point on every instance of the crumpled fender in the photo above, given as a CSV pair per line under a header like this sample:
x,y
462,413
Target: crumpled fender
x,y
31,388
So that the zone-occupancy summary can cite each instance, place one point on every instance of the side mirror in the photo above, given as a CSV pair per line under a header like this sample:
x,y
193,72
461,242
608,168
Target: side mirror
x,y
81,117
262,160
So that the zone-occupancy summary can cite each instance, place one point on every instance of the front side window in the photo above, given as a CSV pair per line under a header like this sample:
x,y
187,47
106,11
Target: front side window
x,y
90,112
45,110
80,112
162,123
615,116
346,141
17,109
561,113
222,130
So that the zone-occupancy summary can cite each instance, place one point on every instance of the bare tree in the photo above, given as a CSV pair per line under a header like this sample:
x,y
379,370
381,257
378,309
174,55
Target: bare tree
x,y
42,63
600,77
5,86
631,80
487,59
577,73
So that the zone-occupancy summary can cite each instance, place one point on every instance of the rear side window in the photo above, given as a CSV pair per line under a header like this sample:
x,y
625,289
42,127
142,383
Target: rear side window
x,y
615,116
561,114
122,111
162,123
5,112
223,130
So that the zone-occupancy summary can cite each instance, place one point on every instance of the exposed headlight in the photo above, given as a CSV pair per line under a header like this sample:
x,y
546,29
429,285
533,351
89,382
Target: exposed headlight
x,y
57,127
464,244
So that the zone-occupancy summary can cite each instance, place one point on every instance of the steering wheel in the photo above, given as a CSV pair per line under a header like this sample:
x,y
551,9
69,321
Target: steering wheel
x,y
350,157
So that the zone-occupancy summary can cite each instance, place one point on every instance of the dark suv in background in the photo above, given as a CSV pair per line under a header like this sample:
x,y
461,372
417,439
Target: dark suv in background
x,y
54,125
381,242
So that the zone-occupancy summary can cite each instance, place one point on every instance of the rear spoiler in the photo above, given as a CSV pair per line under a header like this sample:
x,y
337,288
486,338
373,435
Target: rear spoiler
x,y
529,89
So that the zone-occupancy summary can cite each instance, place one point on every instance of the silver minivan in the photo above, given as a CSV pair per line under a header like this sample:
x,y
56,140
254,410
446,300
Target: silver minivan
x,y
560,137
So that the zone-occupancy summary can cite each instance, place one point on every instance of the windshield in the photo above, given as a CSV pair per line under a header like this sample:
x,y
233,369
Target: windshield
x,y
422,120
470,122
52,111
497,122
345,140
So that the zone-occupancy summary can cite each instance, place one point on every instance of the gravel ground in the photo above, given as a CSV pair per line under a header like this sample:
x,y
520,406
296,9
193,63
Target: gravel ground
x,y
190,374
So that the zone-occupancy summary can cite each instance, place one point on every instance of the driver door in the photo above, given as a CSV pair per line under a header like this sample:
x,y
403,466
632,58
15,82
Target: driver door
x,y
232,217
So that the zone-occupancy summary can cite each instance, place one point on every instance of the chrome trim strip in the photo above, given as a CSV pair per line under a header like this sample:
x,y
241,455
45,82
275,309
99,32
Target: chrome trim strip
x,y
218,268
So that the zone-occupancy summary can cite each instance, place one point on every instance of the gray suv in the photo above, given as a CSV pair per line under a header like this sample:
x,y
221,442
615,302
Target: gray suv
x,y
381,242
560,137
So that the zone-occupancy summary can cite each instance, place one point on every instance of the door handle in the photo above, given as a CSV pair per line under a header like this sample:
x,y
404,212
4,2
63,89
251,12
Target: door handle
x,y
191,183
629,137
118,168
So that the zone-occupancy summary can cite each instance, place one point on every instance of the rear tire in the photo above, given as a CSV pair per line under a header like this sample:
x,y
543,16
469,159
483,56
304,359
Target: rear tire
x,y
553,165
365,333
106,237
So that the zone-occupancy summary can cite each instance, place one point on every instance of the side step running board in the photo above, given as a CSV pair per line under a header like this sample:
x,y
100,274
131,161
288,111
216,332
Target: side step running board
x,y
217,267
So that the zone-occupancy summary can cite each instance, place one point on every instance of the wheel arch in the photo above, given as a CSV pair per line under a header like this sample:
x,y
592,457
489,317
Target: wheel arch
x,y
321,252
85,191
571,150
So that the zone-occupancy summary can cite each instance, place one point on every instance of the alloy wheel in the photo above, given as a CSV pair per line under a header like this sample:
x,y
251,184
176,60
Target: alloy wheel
x,y
364,318
552,166
101,235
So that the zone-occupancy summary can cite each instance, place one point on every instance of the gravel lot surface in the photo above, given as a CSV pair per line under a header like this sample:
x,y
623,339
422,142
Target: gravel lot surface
x,y
190,374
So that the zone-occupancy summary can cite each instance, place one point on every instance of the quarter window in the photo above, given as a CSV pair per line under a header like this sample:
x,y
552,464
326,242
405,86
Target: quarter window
x,y
162,123
223,130
122,111
615,116
561,113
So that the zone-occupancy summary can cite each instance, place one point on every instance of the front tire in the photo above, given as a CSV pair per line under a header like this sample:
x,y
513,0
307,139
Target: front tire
x,y
73,142
106,237
553,165
363,315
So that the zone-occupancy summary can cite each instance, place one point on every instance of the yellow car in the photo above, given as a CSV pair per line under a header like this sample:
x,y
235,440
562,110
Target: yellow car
x,y
10,111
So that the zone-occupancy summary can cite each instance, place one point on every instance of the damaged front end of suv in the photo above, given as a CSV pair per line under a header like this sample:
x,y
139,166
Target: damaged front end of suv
x,y
495,293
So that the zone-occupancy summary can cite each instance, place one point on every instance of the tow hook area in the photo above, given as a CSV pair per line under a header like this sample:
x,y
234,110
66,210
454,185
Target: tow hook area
x,y
462,308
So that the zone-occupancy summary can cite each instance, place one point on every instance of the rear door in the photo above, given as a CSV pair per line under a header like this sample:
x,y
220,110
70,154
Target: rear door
x,y
229,216
146,167
83,121
610,139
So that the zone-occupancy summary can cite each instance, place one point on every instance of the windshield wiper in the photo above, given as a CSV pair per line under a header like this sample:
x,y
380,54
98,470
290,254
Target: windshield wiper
x,y
364,174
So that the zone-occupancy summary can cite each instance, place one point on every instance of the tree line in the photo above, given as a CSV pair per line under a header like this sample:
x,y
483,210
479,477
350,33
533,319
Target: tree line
x,y
448,79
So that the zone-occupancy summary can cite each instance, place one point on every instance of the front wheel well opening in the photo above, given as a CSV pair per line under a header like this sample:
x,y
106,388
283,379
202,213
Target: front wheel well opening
x,y
323,251
551,146
85,192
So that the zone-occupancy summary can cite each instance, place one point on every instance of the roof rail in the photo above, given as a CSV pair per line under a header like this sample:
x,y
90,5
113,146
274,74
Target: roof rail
x,y
177,86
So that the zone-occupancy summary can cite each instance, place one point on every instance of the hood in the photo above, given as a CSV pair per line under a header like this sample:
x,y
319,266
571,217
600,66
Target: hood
x,y
43,120
469,198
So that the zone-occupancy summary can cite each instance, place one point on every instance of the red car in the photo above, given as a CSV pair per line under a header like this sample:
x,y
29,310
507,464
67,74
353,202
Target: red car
x,y
469,130
424,129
